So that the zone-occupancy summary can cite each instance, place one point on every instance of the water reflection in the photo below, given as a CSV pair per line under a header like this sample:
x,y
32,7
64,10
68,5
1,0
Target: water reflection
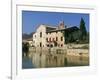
x,y
52,59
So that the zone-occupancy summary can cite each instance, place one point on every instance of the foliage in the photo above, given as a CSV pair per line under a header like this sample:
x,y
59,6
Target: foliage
x,y
77,35
83,32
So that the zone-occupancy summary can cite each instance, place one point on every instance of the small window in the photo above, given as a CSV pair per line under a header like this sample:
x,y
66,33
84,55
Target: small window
x,y
50,39
51,45
61,45
40,34
47,45
61,38
53,39
47,39
56,38
40,44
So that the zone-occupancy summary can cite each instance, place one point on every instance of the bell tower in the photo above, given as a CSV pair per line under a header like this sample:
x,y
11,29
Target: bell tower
x,y
61,25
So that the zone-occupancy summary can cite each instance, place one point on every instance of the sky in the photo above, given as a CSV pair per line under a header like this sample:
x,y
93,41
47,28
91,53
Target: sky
x,y
32,19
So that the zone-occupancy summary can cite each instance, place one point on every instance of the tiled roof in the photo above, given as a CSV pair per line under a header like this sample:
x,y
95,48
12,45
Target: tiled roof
x,y
68,29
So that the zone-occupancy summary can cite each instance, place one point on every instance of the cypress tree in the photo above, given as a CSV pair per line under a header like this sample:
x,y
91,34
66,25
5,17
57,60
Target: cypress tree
x,y
83,32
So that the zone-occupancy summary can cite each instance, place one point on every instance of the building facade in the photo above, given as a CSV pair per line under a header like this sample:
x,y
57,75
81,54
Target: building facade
x,y
53,36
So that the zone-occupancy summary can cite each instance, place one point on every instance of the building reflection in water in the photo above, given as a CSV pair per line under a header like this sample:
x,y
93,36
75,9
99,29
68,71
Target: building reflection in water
x,y
52,59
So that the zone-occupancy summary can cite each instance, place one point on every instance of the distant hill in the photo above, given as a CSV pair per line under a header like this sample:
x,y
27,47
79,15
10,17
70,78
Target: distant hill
x,y
27,36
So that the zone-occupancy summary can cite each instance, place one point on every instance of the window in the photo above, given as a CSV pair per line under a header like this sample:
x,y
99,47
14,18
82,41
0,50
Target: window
x,y
61,45
40,34
53,39
47,45
50,39
47,39
40,44
56,38
51,45
61,38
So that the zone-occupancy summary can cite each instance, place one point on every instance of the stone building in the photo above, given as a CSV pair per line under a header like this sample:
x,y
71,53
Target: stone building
x,y
29,41
54,36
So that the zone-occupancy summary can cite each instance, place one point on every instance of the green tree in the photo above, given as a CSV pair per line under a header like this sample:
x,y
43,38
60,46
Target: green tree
x,y
83,32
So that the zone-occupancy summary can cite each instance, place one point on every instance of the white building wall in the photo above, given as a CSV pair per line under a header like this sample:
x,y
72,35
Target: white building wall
x,y
34,39
38,39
